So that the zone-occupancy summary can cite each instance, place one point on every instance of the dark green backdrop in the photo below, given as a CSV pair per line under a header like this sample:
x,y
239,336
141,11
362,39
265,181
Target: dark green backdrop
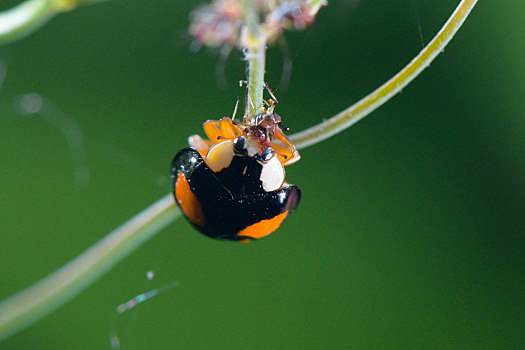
x,y
410,233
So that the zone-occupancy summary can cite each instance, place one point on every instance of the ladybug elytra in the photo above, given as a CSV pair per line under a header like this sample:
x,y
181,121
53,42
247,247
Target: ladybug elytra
x,y
232,186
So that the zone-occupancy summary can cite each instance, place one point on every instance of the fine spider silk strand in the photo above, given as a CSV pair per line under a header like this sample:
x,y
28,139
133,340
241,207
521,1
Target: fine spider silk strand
x,y
114,340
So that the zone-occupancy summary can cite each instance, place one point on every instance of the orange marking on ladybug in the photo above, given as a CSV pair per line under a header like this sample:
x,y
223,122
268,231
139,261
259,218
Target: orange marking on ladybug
x,y
190,205
264,227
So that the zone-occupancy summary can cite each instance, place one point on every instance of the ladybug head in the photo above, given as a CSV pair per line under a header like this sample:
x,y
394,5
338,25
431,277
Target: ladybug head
x,y
254,143
238,157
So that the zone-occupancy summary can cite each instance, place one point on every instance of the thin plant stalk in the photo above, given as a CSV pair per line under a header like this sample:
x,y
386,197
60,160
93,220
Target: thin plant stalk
x,y
256,62
38,300
35,302
385,92
254,44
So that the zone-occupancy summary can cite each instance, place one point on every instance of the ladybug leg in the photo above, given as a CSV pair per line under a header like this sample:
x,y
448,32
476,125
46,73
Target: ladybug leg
x,y
284,154
292,160
200,144
288,154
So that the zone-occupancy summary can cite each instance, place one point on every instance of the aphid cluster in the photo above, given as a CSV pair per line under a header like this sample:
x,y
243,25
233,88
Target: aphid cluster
x,y
232,186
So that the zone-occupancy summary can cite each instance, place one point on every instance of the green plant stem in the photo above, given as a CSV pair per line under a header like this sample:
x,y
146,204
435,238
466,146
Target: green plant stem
x,y
25,18
33,303
254,46
385,92
256,58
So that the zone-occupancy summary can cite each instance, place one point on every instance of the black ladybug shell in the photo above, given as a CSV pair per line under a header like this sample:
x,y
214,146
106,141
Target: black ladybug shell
x,y
229,204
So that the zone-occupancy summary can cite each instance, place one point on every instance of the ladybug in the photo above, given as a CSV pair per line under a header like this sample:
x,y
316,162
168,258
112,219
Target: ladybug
x,y
233,186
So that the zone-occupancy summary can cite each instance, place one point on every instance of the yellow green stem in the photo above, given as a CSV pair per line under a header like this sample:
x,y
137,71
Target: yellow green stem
x,y
38,300
385,92
25,18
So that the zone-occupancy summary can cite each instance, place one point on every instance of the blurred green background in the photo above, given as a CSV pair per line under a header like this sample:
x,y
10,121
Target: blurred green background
x,y
411,229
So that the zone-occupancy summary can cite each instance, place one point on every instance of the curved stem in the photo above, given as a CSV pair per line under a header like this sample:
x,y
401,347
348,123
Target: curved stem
x,y
385,92
25,18
38,300
33,303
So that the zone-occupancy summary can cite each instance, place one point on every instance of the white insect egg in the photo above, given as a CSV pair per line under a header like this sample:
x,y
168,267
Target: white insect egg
x,y
220,156
272,175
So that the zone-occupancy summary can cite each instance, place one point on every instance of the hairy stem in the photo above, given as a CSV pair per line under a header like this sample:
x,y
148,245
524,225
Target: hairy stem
x,y
256,57
33,303
254,46
385,92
